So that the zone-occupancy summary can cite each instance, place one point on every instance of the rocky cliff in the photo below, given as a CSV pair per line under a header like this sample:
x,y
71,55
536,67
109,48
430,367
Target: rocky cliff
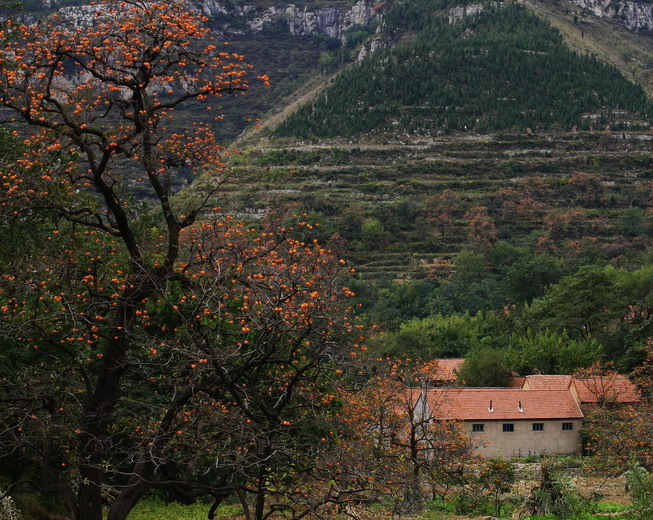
x,y
634,15
299,21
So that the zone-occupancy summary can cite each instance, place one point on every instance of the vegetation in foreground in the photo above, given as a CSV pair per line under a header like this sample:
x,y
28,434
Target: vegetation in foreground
x,y
572,502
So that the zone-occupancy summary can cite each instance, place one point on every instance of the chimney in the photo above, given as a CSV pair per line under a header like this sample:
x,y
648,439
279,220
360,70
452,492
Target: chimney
x,y
490,409
521,410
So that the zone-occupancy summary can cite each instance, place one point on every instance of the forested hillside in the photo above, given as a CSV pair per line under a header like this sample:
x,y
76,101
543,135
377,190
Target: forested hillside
x,y
502,68
405,210
473,236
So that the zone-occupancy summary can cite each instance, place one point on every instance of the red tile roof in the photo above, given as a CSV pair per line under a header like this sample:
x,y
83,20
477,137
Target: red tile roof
x,y
547,382
610,389
473,404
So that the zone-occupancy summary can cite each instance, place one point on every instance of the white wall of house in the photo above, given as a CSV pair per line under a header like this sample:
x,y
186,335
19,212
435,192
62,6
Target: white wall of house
x,y
548,437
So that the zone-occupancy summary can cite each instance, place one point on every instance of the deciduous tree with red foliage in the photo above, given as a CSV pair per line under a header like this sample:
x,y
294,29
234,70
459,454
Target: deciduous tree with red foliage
x,y
618,434
481,228
161,349
399,410
586,188
441,211
518,204
566,224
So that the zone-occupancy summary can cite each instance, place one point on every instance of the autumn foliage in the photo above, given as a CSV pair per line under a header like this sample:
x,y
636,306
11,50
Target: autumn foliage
x,y
159,343
619,435
148,334
397,410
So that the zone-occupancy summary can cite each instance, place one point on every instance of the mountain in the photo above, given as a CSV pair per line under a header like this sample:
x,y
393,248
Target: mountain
x,y
400,181
472,66
475,67
291,42
635,15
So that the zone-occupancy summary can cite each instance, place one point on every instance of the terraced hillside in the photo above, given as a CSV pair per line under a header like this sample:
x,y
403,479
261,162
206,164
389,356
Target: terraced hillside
x,y
406,208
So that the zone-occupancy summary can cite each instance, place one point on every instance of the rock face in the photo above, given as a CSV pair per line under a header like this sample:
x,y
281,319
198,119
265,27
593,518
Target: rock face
x,y
634,15
80,15
377,43
299,21
458,14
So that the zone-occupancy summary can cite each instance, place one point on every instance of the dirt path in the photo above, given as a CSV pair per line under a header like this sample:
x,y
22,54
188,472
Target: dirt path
x,y
307,92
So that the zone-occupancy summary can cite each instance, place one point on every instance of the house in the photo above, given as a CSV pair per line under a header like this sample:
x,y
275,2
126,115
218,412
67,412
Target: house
x,y
510,422
536,414
546,382
516,382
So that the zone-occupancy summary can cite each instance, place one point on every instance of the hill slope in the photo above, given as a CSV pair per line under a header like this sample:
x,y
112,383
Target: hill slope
x,y
503,68
604,38
407,208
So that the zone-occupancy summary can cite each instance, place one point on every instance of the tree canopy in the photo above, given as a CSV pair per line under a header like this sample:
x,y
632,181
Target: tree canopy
x,y
158,342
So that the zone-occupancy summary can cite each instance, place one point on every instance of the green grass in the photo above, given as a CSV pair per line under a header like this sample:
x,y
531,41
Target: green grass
x,y
585,516
441,509
604,507
435,515
157,509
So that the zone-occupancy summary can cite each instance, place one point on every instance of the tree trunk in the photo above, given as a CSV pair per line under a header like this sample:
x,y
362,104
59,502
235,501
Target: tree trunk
x,y
101,404
89,498
413,491
140,480
136,488
259,506
243,501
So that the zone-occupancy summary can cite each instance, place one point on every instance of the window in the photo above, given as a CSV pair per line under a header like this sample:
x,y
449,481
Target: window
x,y
538,426
567,426
509,427
478,427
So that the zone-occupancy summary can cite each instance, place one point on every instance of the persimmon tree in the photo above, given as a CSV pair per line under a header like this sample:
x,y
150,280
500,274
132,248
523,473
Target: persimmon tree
x,y
163,350
481,228
618,435
403,416
497,476
435,446
227,388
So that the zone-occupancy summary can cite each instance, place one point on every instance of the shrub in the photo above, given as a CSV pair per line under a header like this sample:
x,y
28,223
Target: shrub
x,y
640,485
554,495
497,477
8,510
